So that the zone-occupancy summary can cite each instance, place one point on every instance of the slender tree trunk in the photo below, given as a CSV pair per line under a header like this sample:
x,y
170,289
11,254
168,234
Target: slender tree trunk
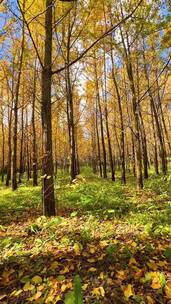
x,y
135,110
156,165
21,169
98,140
9,147
48,196
3,148
15,123
163,156
34,140
107,123
122,136
144,145
101,122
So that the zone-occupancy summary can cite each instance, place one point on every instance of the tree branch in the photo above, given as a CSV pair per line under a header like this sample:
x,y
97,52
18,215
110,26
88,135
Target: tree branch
x,y
109,31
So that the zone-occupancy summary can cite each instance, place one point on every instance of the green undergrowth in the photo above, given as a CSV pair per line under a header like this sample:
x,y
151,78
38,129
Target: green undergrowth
x,y
107,233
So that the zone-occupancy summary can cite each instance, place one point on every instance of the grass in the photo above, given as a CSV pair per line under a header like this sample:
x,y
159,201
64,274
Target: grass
x,y
99,224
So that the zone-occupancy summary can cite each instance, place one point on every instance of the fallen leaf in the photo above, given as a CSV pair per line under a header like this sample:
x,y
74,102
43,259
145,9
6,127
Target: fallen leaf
x,y
98,292
150,300
37,279
77,248
132,261
168,292
128,291
65,270
92,269
28,286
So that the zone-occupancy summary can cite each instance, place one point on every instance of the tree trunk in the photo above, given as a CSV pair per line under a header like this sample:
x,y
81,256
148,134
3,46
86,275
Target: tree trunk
x,y
98,140
15,127
21,169
135,110
34,141
162,153
48,196
107,123
101,122
3,148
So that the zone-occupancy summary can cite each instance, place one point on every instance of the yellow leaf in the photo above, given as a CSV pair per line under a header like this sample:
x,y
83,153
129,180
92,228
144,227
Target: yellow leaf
x,y
65,270
101,276
121,275
168,292
37,279
102,291
152,265
133,244
92,269
16,293
150,300
37,295
77,248
63,287
128,291
92,250
84,287
98,292
6,275
49,299
41,287
156,282
162,263
28,286
101,257
54,265
91,260
132,261
103,243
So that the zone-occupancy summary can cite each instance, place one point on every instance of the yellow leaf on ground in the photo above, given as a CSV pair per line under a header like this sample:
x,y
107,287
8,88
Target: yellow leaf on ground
x,y
128,291
37,279
121,275
84,287
6,274
63,287
102,291
16,293
92,269
28,287
98,292
101,257
37,295
54,265
65,270
77,248
49,299
162,263
150,300
156,284
152,265
132,261
66,286
103,243
101,276
91,260
168,292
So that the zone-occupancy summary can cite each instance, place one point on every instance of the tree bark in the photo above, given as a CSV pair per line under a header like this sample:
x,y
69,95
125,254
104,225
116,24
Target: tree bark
x,y
34,140
15,123
48,195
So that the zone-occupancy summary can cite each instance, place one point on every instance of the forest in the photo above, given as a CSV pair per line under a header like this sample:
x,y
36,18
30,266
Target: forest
x,y
85,151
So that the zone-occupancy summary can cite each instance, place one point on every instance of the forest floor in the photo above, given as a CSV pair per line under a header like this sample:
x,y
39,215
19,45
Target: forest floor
x,y
117,240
